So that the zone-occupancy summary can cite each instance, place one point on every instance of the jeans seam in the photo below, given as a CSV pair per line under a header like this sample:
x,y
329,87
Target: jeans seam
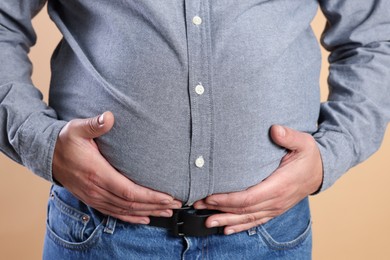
x,y
66,209
284,245
88,243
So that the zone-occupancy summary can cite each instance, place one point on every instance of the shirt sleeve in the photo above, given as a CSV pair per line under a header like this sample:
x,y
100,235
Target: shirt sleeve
x,y
28,127
353,121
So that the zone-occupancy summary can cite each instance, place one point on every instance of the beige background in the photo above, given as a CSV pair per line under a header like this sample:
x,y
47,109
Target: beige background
x,y
350,221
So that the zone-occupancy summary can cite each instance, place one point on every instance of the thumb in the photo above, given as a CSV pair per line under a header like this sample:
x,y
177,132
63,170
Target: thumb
x,y
288,138
95,126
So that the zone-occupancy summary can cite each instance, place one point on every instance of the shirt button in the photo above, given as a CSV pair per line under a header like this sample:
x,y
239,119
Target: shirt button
x,y
197,20
199,162
199,89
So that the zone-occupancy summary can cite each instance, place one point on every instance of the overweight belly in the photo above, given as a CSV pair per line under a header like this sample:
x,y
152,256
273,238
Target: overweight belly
x,y
151,141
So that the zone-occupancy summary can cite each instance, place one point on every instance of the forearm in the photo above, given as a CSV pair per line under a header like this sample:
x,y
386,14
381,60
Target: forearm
x,y
29,127
353,120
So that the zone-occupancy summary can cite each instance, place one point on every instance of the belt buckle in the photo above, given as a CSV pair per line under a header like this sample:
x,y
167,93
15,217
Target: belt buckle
x,y
175,230
188,221
178,221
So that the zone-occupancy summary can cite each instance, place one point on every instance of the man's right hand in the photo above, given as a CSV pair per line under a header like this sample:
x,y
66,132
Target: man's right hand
x,y
80,168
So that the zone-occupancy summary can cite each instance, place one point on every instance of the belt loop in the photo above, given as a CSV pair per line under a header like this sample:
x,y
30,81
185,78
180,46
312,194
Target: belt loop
x,y
110,225
252,231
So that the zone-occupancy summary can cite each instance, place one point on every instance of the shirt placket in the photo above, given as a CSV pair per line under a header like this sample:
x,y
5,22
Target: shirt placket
x,y
201,104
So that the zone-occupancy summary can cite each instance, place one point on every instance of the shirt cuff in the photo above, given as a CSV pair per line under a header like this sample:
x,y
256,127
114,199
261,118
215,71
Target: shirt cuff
x,y
337,153
38,137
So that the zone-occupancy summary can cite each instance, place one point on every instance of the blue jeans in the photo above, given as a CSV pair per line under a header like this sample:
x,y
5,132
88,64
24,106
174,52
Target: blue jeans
x,y
75,231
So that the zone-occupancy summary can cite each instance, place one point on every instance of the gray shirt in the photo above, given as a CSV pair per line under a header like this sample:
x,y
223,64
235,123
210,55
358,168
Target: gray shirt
x,y
195,86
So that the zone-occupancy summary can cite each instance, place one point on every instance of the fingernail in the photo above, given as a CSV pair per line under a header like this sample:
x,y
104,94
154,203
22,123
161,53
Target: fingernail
x,y
212,202
177,205
144,221
214,224
200,206
101,119
166,202
165,214
229,231
281,131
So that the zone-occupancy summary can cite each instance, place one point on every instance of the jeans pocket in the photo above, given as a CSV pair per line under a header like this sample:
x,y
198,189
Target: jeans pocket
x,y
70,227
288,230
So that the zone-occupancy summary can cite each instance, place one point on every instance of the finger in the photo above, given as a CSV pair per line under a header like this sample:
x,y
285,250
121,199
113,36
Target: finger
x,y
243,227
122,187
107,178
277,205
227,219
127,218
133,219
92,127
109,208
93,193
257,194
134,206
274,193
289,138
112,210
104,177
271,204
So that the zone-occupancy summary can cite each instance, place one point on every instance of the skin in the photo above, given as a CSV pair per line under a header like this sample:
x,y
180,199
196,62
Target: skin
x,y
91,178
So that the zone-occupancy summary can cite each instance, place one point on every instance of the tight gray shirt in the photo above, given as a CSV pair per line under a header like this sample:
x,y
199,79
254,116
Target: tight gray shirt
x,y
196,84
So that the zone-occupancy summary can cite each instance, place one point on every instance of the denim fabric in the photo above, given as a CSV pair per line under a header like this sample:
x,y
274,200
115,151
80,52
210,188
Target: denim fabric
x,y
76,232
257,60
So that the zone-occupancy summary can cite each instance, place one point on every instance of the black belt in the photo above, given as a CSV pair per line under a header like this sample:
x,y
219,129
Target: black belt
x,y
187,221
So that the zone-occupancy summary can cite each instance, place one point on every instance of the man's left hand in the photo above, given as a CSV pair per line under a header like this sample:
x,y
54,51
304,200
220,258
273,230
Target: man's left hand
x,y
298,175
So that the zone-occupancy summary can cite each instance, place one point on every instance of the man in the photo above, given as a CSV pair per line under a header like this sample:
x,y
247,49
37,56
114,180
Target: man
x,y
196,89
